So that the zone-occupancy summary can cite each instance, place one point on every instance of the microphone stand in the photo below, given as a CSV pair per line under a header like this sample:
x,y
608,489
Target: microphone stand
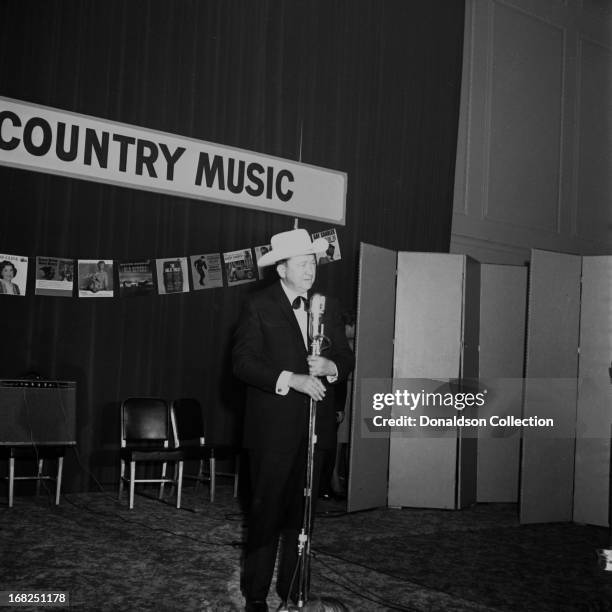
x,y
319,342
304,539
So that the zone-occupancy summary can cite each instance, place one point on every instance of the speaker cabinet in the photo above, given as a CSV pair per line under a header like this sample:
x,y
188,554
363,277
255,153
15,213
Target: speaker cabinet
x,y
37,411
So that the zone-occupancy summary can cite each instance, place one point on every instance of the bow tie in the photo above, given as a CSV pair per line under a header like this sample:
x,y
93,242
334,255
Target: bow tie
x,y
299,300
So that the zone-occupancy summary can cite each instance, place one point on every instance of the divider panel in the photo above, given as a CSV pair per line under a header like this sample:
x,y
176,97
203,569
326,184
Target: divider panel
x,y
428,325
369,455
592,474
547,467
503,304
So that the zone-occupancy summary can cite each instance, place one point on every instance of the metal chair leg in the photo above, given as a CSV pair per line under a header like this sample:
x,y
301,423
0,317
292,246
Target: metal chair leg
x,y
58,482
121,479
41,465
179,485
132,477
236,473
161,484
212,477
11,480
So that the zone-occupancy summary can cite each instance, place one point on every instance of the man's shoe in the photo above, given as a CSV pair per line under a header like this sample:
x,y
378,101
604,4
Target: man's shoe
x,y
256,605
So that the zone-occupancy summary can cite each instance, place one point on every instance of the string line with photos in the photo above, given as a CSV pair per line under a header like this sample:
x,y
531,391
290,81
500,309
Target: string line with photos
x,y
106,278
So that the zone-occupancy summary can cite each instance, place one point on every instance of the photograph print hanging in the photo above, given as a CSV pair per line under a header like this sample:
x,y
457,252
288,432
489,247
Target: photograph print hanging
x,y
136,278
13,274
333,248
54,276
239,267
206,271
172,275
95,278
260,251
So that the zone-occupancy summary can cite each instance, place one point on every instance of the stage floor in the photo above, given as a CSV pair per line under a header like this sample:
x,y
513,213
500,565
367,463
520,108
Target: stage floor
x,y
156,557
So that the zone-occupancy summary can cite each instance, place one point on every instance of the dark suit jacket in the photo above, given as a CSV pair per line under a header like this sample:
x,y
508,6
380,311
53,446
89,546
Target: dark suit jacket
x,y
267,341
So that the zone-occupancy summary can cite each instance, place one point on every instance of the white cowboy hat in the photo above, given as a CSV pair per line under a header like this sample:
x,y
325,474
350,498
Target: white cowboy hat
x,y
290,244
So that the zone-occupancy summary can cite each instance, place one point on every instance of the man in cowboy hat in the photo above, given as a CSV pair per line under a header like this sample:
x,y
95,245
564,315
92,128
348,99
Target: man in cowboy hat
x,y
271,356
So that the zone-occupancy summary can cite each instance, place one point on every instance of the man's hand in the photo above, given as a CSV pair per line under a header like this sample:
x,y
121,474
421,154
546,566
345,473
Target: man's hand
x,y
309,385
321,366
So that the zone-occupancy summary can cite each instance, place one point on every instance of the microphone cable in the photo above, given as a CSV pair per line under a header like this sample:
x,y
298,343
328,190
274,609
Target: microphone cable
x,y
372,569
367,595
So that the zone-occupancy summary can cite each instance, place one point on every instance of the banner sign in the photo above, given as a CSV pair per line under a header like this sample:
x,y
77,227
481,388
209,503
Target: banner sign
x,y
59,142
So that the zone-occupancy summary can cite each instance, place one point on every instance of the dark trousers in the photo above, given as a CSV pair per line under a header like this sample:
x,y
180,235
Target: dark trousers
x,y
328,461
277,508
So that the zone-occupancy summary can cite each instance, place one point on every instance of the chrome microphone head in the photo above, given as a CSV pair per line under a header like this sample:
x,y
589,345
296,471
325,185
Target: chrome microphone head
x,y
316,310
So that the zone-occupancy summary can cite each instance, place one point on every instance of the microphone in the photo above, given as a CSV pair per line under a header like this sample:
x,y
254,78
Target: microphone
x,y
316,327
315,321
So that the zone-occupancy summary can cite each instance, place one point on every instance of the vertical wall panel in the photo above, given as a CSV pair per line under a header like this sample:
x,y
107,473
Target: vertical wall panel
x,y
525,115
593,134
534,148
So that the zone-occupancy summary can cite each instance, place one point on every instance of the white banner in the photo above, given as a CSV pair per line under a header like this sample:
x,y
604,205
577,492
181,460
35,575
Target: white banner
x,y
59,142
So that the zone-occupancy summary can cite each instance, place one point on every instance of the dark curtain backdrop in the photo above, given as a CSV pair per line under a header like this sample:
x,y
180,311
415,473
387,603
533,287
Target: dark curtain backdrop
x,y
371,85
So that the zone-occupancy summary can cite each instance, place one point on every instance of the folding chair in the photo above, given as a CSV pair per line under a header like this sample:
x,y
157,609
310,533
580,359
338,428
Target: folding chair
x,y
146,431
190,437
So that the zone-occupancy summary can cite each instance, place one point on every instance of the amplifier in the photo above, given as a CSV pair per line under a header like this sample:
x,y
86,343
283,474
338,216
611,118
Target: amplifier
x,y
37,412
